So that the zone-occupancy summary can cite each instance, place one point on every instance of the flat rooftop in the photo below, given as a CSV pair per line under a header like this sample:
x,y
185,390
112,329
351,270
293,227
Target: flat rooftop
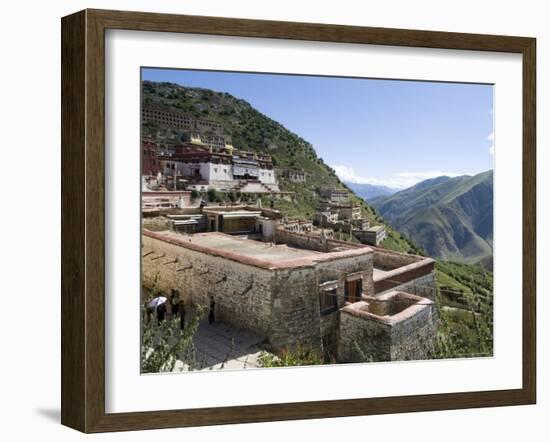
x,y
253,249
250,252
375,229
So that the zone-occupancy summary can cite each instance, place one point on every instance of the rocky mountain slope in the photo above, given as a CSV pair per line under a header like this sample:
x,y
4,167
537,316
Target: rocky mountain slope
x,y
451,218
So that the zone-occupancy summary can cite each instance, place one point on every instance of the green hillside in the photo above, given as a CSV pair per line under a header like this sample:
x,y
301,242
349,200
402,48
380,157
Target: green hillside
x,y
451,218
464,302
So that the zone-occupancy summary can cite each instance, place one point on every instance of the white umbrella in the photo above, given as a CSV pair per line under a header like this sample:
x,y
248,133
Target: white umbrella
x,y
155,302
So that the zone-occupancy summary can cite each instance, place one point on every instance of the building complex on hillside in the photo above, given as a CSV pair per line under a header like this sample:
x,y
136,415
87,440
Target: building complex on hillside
x,y
202,159
226,170
293,175
348,302
207,132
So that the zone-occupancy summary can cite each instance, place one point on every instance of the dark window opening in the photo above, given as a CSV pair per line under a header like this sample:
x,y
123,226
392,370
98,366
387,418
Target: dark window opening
x,y
353,290
328,301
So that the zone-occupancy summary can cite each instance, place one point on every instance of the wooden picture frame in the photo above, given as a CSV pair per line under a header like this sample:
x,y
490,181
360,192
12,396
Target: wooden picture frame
x,y
83,220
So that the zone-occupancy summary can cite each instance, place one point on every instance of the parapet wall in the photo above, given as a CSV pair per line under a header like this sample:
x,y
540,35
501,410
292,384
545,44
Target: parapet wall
x,y
410,273
405,335
419,285
388,260
414,338
312,242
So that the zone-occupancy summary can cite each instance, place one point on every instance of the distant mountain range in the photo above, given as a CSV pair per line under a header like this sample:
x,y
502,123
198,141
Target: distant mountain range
x,y
451,218
370,191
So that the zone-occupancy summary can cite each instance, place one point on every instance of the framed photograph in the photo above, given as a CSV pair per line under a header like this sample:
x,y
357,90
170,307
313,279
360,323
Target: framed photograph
x,y
269,220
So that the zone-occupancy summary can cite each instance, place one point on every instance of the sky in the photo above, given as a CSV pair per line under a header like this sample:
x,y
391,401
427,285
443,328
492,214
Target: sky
x,y
382,132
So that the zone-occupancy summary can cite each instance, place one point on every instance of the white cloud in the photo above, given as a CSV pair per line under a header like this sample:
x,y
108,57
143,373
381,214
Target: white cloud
x,y
491,138
400,180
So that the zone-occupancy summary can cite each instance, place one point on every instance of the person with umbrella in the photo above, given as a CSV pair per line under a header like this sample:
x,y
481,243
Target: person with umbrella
x,y
161,313
158,304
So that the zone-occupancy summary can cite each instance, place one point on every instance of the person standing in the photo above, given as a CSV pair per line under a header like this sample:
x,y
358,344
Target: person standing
x,y
174,303
211,317
161,313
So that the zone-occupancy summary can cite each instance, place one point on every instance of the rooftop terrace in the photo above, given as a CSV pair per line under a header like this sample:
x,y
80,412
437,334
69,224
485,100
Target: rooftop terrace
x,y
256,253
253,249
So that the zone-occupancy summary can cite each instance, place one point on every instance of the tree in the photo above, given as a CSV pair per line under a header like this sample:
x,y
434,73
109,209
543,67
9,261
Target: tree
x,y
212,194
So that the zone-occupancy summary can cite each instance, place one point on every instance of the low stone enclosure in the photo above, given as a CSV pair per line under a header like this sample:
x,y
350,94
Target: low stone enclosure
x,y
389,327
300,291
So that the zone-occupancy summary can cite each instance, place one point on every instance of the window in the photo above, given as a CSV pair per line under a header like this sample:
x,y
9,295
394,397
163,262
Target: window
x,y
328,300
353,290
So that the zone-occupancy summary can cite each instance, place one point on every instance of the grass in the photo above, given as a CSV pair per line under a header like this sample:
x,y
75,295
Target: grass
x,y
464,301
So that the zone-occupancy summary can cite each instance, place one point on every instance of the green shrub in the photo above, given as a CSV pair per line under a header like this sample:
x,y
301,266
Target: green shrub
x,y
212,195
290,358
161,344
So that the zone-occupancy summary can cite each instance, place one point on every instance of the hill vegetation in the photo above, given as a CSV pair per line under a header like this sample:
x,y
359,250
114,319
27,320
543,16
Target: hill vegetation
x,y
464,301
451,218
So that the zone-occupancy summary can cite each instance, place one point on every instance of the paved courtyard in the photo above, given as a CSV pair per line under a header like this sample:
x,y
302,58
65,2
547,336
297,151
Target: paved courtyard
x,y
219,346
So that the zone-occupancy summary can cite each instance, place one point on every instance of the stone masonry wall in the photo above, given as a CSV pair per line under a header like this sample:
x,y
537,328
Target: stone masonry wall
x,y
421,286
299,240
386,259
312,242
281,305
363,340
367,340
295,315
242,293
414,338
338,270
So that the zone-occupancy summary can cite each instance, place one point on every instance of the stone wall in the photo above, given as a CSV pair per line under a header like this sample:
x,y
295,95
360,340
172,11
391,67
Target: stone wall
x,y
409,335
414,338
312,242
421,284
409,273
338,270
363,340
299,240
281,305
389,260
295,316
242,293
